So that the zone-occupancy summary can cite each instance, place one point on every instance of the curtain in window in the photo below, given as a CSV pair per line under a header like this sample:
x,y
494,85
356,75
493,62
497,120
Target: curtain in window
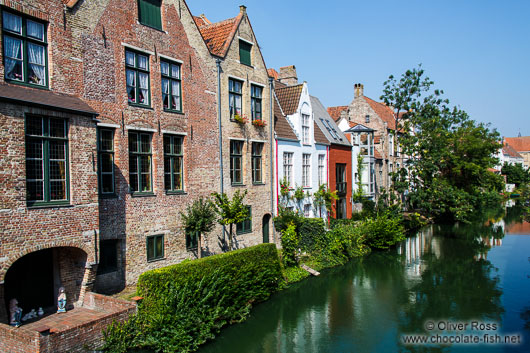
x,y
144,88
175,99
12,50
131,84
36,64
12,22
165,92
35,30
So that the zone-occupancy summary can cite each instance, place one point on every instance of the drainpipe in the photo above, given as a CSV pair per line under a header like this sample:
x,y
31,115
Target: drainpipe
x,y
271,165
218,63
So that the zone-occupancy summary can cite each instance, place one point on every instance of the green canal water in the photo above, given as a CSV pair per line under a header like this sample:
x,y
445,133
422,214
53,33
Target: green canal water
x,y
446,284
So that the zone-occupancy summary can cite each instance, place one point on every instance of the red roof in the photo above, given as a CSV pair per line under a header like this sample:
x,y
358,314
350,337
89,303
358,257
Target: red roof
x,y
289,98
273,73
219,35
281,126
508,150
201,20
335,112
520,144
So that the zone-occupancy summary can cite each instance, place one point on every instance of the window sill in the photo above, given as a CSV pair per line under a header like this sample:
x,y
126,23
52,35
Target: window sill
x,y
155,28
35,206
174,111
191,249
247,65
259,183
143,194
25,84
108,196
237,185
157,259
170,192
137,105
244,232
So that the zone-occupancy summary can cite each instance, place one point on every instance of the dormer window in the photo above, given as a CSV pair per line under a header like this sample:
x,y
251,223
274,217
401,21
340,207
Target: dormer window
x,y
244,52
25,47
149,13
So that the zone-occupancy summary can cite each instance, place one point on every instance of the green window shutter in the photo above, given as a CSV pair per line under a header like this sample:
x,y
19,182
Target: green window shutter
x,y
149,13
244,53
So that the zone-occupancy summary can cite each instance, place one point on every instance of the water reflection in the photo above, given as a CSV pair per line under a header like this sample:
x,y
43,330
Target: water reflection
x,y
452,272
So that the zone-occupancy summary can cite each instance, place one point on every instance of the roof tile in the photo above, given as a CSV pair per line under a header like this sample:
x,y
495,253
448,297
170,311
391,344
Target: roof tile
x,y
282,128
219,35
289,98
383,111
335,112
520,144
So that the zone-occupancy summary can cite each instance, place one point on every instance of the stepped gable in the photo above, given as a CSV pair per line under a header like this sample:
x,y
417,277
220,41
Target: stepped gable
x,y
219,35
335,112
289,98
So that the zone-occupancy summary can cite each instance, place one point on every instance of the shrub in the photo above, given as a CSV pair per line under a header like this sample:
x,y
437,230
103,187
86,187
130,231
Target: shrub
x,y
186,304
311,232
289,245
383,231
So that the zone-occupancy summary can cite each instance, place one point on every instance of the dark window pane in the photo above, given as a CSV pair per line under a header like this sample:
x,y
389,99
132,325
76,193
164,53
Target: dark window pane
x,y
57,190
35,190
107,184
34,148
106,163
34,169
133,142
57,150
34,126
150,248
57,128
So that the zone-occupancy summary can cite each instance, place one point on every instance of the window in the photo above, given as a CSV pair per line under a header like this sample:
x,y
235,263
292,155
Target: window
x,y
255,102
340,170
192,241
173,163
137,72
367,119
246,225
155,247
234,97
25,49
305,129
244,52
321,169
149,13
307,210
108,259
390,171
391,144
106,161
341,208
288,167
236,162
171,89
46,160
257,175
140,162
306,170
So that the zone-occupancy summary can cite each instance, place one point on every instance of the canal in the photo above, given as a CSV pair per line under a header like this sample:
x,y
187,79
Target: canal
x,y
463,284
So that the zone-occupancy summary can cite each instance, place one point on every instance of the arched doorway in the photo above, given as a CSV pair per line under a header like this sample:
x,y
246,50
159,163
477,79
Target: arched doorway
x,y
265,227
35,278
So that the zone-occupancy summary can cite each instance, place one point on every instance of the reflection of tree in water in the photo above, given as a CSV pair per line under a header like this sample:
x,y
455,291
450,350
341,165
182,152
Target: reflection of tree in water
x,y
454,286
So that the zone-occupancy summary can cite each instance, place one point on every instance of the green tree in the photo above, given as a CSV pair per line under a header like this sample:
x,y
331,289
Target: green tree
x,y
324,198
199,219
448,154
231,211
516,174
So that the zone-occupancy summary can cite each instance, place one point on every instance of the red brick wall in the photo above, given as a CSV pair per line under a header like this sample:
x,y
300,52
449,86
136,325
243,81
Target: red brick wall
x,y
341,154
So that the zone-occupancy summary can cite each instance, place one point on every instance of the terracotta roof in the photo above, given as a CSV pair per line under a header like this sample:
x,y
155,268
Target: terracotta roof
x,y
384,112
282,128
201,20
510,151
320,138
44,98
352,124
219,35
273,73
334,112
520,144
289,98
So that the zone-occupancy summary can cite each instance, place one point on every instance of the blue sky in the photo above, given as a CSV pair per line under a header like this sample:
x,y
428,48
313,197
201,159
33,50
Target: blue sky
x,y
477,51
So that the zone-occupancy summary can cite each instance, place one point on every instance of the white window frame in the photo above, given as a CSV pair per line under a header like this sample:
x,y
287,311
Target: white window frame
x,y
288,167
321,169
306,170
306,129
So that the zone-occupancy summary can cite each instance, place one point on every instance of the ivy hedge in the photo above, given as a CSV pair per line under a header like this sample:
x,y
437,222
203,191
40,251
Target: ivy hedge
x,y
186,304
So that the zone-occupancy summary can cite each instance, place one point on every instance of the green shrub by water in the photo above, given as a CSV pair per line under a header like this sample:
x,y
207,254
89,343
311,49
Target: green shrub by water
x,y
186,304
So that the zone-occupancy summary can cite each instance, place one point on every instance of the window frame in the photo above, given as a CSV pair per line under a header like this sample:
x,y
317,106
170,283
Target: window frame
x,y
46,160
321,168
232,93
245,226
244,48
306,129
137,71
137,155
104,266
257,162
156,256
172,155
144,21
234,157
306,170
101,152
256,101
189,243
171,79
25,39
288,167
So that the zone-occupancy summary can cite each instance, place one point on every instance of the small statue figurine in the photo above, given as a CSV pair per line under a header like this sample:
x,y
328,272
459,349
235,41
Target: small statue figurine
x,y
15,313
61,301
40,312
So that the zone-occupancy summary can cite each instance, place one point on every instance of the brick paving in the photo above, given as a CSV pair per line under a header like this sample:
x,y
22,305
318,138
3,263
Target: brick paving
x,y
62,321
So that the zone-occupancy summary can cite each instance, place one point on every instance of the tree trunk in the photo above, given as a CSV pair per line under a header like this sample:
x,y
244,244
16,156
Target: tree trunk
x,y
199,246
230,238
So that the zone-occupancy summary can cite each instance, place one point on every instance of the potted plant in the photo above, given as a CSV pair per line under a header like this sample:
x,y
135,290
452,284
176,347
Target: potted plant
x,y
259,123
241,119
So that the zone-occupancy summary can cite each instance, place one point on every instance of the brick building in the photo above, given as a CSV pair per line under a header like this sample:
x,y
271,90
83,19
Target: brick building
x,y
244,112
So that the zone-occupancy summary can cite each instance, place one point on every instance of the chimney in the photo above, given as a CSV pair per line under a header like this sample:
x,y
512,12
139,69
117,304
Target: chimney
x,y
242,8
358,90
288,75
